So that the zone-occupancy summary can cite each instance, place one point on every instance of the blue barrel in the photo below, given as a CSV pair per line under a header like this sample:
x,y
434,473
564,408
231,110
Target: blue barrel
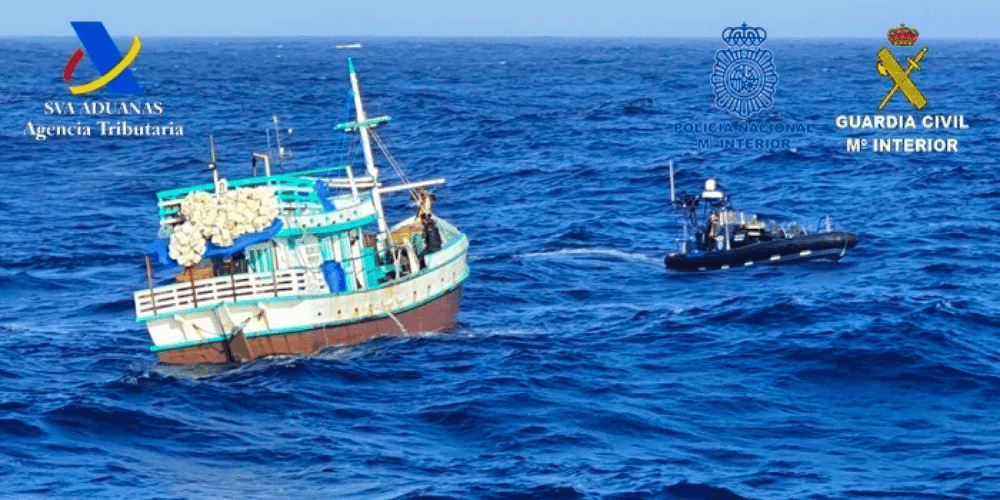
x,y
335,276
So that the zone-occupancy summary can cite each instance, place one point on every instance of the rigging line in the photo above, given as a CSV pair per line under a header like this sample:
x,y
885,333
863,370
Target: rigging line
x,y
353,151
392,159
341,149
381,146
395,166
345,116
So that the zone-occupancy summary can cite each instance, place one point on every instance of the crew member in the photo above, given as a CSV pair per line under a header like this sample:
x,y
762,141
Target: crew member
x,y
432,235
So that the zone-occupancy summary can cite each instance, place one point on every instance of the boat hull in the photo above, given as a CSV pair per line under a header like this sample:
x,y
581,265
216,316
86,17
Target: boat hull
x,y
831,245
432,317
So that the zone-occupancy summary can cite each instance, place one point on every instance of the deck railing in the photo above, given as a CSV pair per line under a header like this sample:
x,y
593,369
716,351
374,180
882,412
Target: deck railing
x,y
210,291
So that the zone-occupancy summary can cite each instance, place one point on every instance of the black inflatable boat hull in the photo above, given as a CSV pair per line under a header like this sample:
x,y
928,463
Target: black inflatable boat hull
x,y
830,245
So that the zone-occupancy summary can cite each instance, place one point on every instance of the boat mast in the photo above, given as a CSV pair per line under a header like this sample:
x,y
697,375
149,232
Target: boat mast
x,y
213,166
282,151
369,157
673,198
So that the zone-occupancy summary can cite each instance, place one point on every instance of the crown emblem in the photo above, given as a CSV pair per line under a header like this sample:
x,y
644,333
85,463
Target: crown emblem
x,y
903,35
744,36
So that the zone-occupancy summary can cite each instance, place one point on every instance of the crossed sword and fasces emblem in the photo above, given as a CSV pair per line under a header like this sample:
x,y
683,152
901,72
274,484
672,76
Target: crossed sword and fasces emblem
x,y
887,66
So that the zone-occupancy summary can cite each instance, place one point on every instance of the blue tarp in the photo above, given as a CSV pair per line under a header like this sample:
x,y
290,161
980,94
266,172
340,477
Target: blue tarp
x,y
160,248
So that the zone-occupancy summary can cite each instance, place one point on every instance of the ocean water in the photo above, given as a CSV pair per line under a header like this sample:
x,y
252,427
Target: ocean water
x,y
580,368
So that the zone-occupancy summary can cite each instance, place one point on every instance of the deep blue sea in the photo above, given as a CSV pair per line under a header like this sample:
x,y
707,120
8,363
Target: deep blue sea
x,y
581,368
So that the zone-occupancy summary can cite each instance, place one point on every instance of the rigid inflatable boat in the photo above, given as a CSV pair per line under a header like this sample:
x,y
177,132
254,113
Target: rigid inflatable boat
x,y
718,237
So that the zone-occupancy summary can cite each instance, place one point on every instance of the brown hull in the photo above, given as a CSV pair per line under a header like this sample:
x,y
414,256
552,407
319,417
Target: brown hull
x,y
435,316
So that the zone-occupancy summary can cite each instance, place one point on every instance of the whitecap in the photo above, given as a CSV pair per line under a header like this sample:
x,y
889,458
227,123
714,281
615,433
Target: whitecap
x,y
595,252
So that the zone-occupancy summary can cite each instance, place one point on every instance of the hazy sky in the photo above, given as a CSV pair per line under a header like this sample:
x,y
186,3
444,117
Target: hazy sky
x,y
954,18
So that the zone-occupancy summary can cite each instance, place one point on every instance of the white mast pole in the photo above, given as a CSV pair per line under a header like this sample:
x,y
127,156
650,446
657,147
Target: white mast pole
x,y
212,165
277,138
369,158
672,197
352,182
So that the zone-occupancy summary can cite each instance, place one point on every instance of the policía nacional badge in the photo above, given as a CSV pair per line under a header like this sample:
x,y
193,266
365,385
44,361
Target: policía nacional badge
x,y
743,78
902,36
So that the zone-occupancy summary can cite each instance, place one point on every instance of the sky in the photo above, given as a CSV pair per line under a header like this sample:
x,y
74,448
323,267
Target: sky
x,y
503,18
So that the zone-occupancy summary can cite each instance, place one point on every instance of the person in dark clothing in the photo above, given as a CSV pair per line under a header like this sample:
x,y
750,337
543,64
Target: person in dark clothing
x,y
432,235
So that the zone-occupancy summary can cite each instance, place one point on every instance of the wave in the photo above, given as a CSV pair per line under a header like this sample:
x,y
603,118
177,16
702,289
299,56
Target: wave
x,y
505,490
595,253
17,428
579,367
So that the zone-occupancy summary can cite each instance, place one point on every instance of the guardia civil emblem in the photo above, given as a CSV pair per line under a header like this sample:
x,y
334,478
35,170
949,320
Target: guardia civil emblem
x,y
743,78
903,36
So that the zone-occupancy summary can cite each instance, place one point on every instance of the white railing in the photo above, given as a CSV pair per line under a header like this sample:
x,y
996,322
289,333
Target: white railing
x,y
206,292
342,216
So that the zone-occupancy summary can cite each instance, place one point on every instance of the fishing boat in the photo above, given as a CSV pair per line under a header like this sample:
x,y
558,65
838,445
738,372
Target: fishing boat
x,y
718,237
283,264
350,46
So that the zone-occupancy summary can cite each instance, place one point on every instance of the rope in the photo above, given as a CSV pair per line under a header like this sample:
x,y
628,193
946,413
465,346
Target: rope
x,y
392,161
345,115
398,323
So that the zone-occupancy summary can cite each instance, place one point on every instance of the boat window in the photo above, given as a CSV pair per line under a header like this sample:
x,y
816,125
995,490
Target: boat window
x,y
234,264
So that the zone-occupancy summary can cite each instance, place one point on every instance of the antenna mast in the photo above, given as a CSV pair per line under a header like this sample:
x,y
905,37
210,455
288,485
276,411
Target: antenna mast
x,y
277,140
212,165
673,198
369,157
